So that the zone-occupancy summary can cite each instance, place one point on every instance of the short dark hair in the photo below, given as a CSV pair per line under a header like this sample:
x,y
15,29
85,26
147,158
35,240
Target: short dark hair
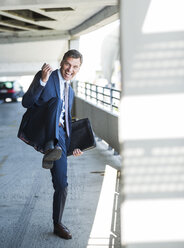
x,y
73,54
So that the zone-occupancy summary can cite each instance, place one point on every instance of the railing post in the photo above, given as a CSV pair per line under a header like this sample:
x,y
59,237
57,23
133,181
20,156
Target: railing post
x,y
85,90
91,91
99,94
111,98
96,93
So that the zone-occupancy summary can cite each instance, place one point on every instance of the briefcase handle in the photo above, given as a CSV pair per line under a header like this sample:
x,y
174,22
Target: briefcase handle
x,y
73,119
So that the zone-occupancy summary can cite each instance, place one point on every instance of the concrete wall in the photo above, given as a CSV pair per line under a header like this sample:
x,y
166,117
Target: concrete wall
x,y
28,57
152,123
104,123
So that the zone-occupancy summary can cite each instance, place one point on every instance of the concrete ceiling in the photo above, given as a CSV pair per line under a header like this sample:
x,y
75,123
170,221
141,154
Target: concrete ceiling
x,y
34,31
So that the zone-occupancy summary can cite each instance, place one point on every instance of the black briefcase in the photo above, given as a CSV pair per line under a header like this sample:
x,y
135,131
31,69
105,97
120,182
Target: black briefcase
x,y
82,136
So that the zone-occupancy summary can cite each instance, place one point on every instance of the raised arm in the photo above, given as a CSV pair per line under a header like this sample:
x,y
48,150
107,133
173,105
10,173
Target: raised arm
x,y
33,93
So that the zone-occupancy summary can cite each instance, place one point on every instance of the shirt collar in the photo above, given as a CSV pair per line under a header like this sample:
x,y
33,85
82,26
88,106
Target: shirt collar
x,y
61,78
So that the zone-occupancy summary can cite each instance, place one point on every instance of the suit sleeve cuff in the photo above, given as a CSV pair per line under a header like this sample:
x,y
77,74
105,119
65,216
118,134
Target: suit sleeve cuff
x,y
42,83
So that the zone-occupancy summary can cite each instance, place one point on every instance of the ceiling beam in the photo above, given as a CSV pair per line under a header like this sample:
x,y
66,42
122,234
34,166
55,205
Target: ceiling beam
x,y
21,4
19,25
102,16
32,36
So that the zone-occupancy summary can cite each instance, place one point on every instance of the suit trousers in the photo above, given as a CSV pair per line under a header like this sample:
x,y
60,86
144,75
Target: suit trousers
x,y
59,179
42,126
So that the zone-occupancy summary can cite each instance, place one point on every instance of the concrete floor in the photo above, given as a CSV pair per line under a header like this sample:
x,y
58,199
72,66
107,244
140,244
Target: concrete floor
x,y
26,193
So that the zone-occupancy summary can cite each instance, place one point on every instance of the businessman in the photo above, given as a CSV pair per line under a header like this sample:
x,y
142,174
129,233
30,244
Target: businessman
x,y
46,125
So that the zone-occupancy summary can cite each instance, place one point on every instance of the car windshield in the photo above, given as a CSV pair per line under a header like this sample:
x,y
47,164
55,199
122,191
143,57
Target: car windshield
x,y
6,85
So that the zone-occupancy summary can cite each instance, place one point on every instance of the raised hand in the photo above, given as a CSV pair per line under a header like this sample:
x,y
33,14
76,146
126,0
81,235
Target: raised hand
x,y
46,71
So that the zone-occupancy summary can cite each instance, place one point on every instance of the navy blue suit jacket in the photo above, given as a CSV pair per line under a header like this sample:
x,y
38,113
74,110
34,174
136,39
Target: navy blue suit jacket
x,y
33,125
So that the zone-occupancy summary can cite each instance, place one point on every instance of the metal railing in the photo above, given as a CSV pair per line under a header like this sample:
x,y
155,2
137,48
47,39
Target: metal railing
x,y
108,98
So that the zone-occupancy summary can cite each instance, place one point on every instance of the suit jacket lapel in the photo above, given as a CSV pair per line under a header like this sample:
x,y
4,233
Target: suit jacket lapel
x,y
70,97
57,89
56,83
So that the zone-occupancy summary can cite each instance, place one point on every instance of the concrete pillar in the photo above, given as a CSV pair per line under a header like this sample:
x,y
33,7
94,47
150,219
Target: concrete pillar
x,y
151,123
74,44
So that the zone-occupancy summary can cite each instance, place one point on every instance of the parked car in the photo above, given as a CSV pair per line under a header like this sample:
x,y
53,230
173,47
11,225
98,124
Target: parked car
x,y
10,89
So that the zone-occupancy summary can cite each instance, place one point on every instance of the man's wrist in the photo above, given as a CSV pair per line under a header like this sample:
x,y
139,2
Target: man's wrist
x,y
42,83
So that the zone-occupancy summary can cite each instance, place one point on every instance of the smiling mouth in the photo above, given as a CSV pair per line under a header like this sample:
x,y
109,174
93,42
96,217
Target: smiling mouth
x,y
68,74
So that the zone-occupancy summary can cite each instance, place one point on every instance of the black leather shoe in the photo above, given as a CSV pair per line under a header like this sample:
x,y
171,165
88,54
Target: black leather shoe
x,y
49,146
53,154
47,164
62,231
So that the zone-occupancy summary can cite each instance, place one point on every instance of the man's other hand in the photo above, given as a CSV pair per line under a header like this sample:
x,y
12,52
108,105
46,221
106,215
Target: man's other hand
x,y
77,152
46,71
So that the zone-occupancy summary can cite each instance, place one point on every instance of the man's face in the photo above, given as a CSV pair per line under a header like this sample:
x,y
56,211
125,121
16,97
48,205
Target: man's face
x,y
69,68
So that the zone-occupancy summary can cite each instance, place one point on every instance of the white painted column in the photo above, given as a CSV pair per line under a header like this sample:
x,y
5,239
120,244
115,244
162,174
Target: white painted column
x,y
151,123
74,44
